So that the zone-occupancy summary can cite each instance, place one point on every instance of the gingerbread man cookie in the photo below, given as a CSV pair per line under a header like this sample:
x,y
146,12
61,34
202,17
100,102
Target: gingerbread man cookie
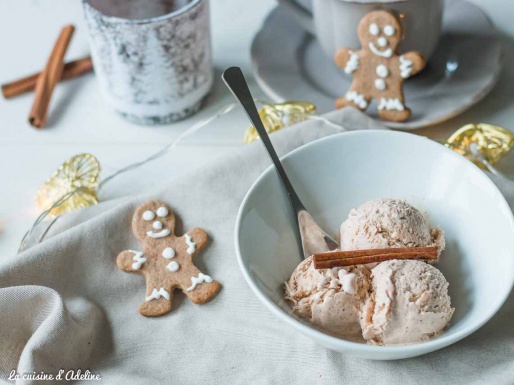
x,y
166,260
378,70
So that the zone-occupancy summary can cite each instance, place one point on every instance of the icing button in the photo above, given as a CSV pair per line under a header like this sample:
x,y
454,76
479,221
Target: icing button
x,y
173,266
168,253
382,71
380,84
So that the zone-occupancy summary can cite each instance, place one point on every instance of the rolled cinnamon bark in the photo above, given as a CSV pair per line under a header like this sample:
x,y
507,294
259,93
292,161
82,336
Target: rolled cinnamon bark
x,y
47,80
361,257
71,70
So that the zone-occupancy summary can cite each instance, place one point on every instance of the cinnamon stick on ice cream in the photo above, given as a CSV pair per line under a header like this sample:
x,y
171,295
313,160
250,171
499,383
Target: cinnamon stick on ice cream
x,y
49,77
362,257
71,70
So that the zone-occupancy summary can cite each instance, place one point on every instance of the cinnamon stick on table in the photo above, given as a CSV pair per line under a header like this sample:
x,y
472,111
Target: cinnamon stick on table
x,y
49,77
71,70
360,257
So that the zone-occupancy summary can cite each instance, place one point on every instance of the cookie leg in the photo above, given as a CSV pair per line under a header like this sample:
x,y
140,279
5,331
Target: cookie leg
x,y
204,292
199,287
353,99
343,102
394,115
157,302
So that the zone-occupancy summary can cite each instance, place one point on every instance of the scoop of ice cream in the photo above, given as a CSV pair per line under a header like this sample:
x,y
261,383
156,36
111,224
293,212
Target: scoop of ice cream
x,y
410,303
384,223
330,299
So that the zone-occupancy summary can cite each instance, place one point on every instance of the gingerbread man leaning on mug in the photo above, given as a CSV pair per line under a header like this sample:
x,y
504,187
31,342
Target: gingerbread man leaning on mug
x,y
378,70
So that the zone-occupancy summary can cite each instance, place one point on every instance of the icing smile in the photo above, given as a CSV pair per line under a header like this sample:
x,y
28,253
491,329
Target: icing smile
x,y
159,234
386,53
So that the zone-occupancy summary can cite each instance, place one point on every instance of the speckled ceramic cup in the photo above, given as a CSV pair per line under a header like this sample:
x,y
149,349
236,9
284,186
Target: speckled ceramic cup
x,y
152,58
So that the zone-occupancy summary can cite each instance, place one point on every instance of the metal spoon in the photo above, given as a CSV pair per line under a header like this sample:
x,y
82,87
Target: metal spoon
x,y
314,239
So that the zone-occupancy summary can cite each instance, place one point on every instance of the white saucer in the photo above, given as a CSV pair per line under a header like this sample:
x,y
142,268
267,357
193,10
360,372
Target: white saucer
x,y
290,65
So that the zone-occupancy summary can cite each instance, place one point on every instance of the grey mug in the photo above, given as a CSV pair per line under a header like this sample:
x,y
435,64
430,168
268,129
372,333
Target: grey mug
x,y
335,22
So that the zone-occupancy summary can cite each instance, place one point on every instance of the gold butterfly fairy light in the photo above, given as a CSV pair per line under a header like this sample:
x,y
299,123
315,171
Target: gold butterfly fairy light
x,y
278,116
72,186
492,142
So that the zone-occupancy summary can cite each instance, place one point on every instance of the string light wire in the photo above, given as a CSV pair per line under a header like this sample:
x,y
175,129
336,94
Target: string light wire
x,y
163,151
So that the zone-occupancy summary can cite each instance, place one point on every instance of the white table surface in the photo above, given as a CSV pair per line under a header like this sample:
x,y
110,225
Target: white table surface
x,y
79,121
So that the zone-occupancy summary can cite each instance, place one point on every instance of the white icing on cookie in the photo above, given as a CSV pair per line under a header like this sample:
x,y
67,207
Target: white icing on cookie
x,y
352,64
380,84
157,225
389,30
191,246
156,294
168,253
386,53
382,71
357,98
138,258
148,215
405,67
390,104
162,212
173,266
160,234
373,29
196,281
382,41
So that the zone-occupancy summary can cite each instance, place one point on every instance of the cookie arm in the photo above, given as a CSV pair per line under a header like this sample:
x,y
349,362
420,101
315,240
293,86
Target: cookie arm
x,y
342,56
347,59
411,63
130,261
200,237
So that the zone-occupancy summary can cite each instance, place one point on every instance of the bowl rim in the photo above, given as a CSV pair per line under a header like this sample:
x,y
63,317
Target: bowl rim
x,y
408,350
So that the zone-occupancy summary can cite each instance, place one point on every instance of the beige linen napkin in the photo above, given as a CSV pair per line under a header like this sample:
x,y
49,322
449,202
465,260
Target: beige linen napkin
x,y
65,305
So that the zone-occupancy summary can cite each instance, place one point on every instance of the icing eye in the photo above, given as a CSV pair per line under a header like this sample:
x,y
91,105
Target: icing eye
x,y
148,215
162,212
373,29
157,225
389,30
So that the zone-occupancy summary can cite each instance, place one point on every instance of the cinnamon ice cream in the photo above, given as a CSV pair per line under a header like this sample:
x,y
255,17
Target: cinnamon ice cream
x,y
330,299
384,223
410,303
397,302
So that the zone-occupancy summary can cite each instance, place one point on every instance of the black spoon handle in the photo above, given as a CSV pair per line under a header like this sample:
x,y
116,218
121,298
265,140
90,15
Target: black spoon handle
x,y
235,81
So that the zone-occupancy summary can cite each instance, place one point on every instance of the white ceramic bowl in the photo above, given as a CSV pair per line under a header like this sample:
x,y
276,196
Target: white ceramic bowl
x,y
337,173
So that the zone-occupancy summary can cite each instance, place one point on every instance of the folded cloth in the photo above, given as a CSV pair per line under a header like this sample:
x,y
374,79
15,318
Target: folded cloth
x,y
64,304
